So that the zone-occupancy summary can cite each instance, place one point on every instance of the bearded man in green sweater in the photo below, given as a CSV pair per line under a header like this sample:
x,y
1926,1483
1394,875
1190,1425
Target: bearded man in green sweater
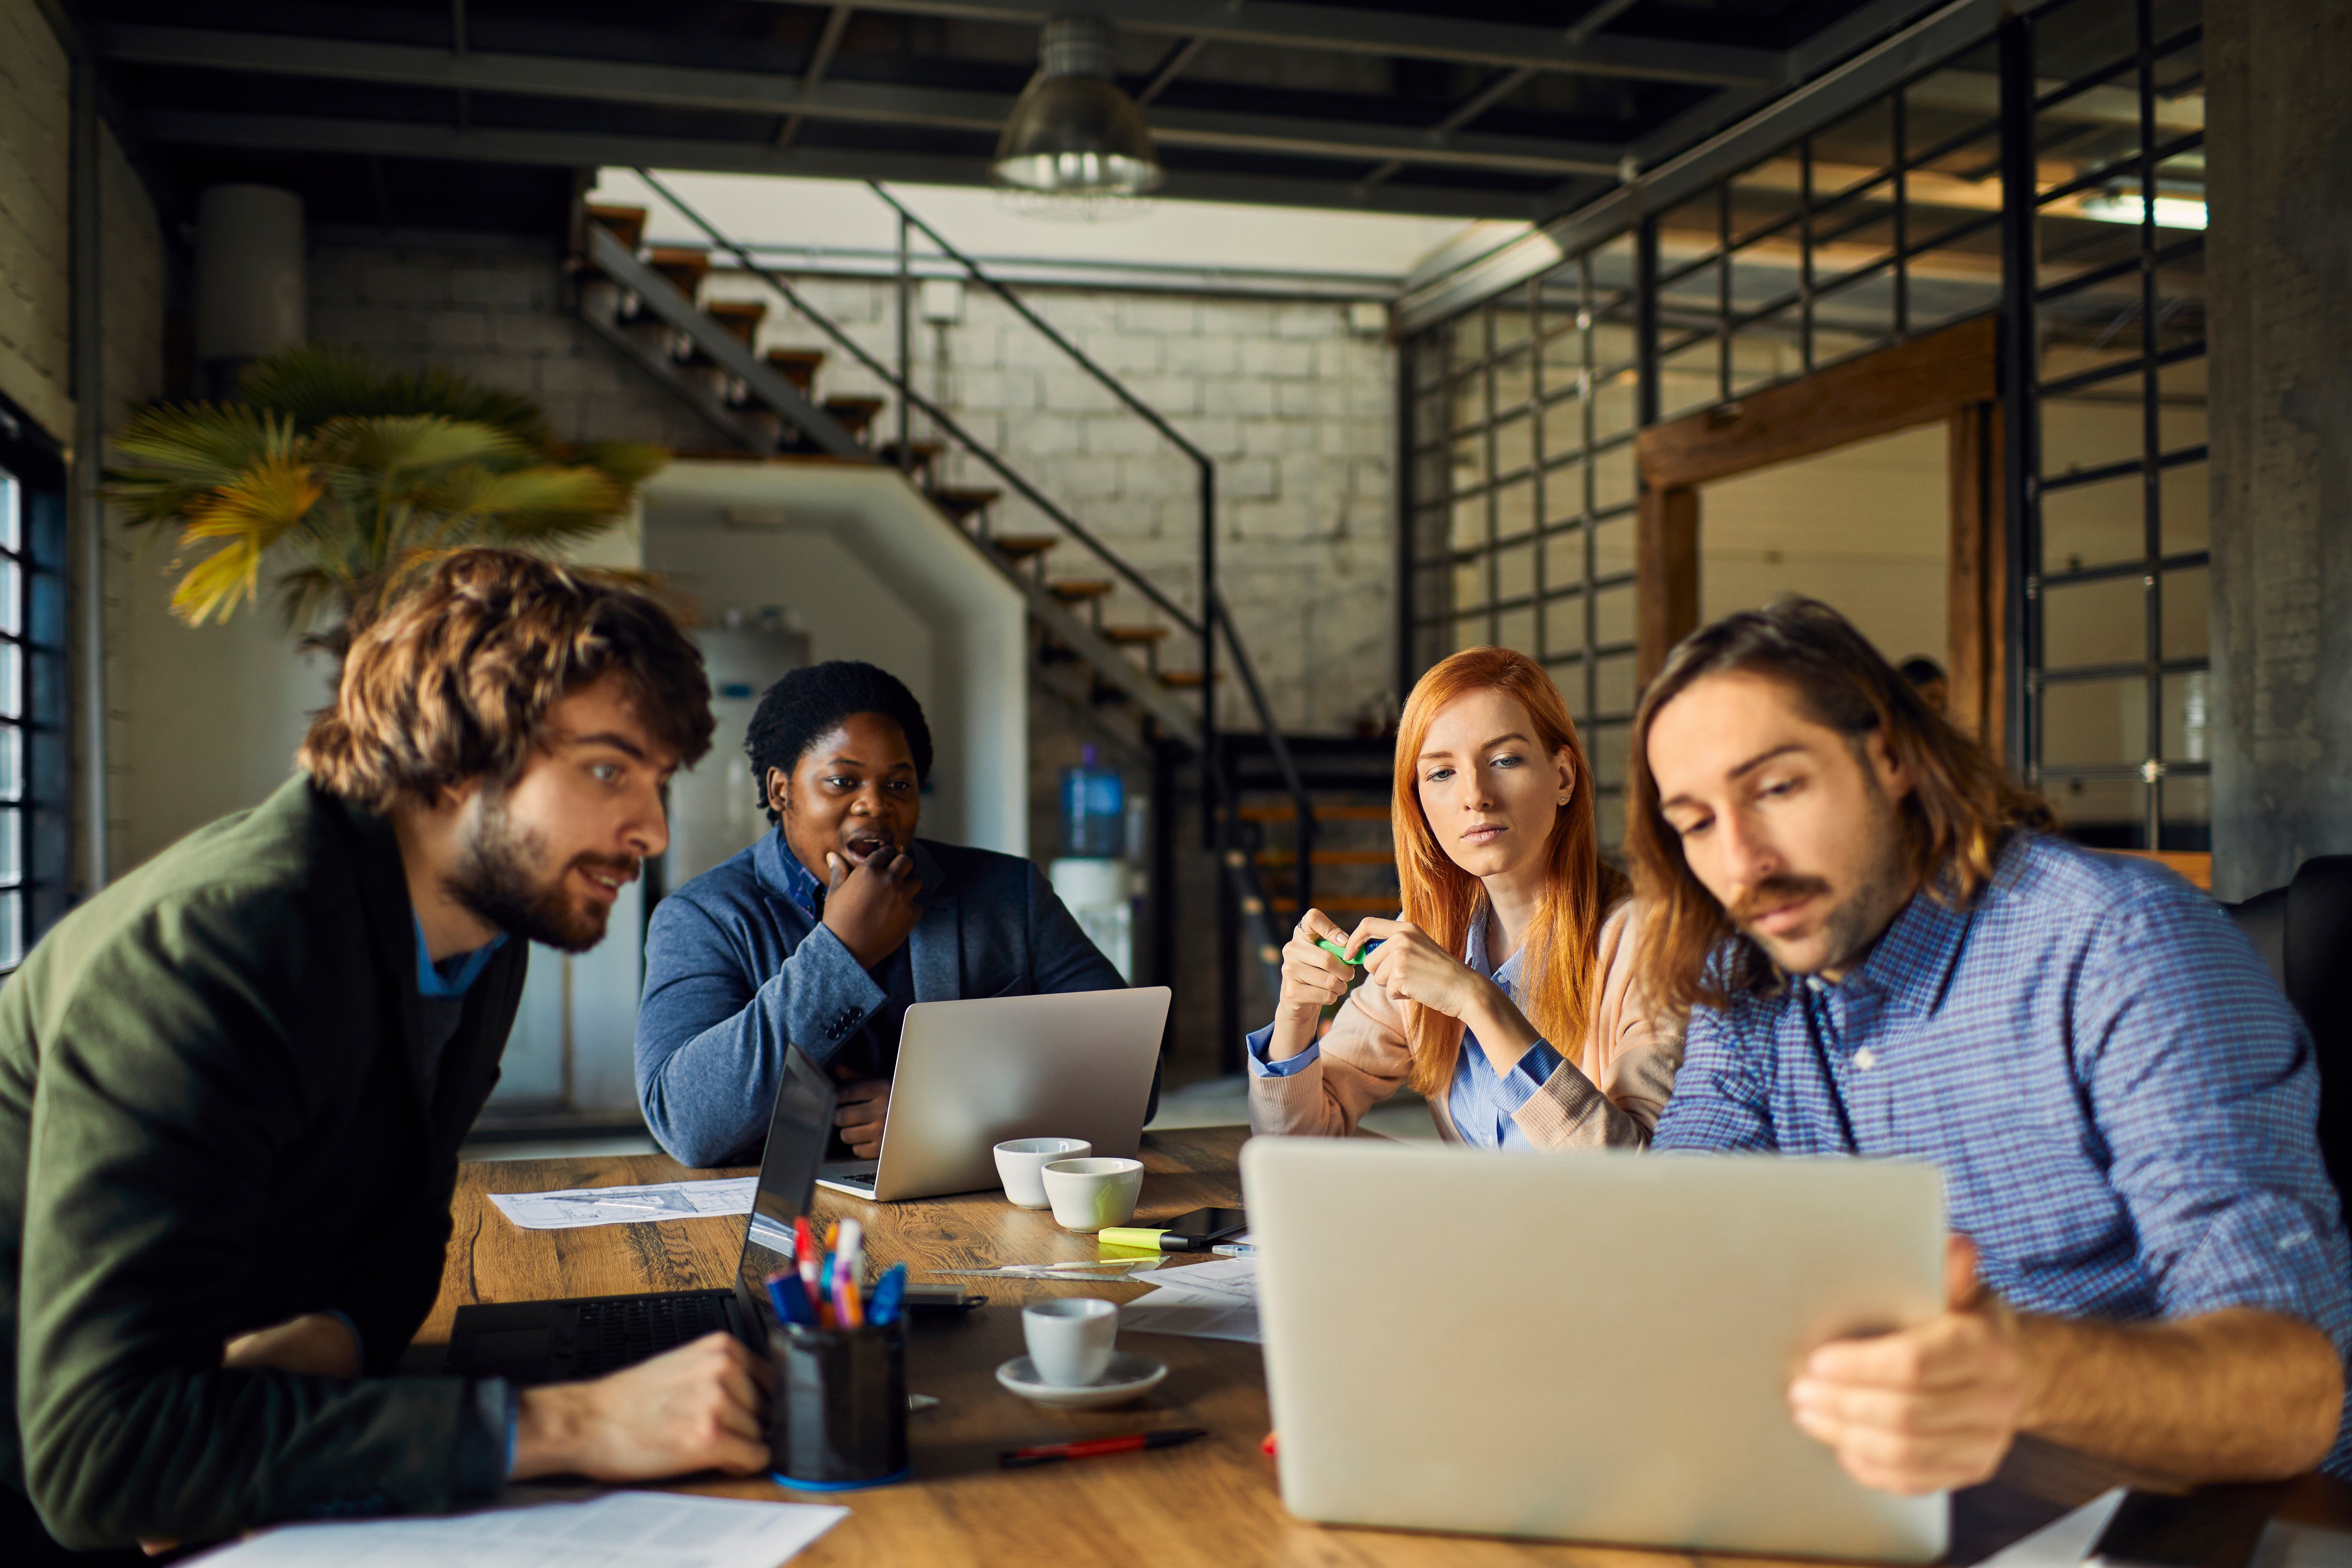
x,y
233,1086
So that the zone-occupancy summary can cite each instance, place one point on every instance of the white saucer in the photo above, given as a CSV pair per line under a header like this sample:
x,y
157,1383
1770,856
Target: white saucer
x,y
1127,1377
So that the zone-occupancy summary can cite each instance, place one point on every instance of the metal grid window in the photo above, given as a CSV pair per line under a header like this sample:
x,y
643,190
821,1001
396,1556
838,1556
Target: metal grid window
x,y
2118,690
16,916
1523,417
1893,222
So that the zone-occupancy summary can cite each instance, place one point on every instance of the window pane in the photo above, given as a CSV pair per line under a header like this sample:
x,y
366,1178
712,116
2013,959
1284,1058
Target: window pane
x,y
1563,436
1690,377
1514,508
12,929
11,598
2185,596
1852,319
1470,583
2109,813
2188,711
1469,631
1605,748
2184,494
1612,615
1514,571
12,839
12,762
2095,623
1514,444
1563,632
1613,684
1517,629
2180,404
2087,722
1564,567
1563,492
1614,406
2092,525
1513,384
1612,547
1469,522
1614,478
2187,814
2093,428
1469,461
12,515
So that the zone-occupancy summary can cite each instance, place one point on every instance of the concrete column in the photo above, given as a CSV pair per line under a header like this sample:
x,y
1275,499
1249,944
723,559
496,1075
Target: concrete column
x,y
2279,304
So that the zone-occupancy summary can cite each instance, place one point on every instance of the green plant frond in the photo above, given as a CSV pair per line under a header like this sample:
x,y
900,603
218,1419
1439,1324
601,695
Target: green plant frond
x,y
271,498
395,445
178,452
525,497
213,585
316,383
305,593
627,464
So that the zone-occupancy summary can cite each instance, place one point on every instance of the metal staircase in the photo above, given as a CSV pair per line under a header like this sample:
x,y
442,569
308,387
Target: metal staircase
x,y
765,404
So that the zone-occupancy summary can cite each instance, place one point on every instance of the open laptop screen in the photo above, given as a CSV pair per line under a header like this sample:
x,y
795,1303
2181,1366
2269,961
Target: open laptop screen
x,y
797,1134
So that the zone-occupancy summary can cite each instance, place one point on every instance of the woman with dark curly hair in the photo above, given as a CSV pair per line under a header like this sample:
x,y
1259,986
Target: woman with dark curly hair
x,y
822,934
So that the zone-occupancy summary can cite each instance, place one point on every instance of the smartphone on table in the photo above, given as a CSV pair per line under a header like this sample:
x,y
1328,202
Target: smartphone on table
x,y
1204,1228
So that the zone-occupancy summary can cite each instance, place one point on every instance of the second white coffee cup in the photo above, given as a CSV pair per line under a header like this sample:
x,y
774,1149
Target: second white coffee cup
x,y
1019,1164
1070,1339
1089,1194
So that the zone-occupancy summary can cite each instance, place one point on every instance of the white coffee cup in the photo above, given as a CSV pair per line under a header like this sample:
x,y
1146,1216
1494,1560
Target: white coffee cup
x,y
1089,1194
1070,1339
1020,1163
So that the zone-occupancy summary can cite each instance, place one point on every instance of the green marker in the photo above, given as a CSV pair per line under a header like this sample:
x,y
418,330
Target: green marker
x,y
1341,950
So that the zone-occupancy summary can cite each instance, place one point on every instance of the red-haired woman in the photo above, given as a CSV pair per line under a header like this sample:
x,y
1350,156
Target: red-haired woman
x,y
1504,993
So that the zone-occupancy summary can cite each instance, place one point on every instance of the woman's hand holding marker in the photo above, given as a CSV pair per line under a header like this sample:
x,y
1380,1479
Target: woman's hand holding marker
x,y
1312,977
1412,968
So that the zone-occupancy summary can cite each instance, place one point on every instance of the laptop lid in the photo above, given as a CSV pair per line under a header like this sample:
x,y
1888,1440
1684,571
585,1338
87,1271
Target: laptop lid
x,y
798,1131
1590,1347
973,1074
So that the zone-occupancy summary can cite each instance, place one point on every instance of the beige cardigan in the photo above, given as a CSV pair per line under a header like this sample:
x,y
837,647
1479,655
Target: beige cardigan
x,y
1630,1056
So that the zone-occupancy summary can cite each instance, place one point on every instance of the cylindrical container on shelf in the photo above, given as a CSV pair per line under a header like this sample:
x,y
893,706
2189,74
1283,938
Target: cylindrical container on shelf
x,y
1094,810
840,1415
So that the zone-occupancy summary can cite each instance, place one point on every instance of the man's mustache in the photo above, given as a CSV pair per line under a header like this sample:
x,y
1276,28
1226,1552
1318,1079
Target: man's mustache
x,y
1772,893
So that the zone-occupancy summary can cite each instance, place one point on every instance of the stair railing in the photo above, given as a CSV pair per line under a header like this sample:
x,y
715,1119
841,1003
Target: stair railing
x,y
1213,610
1221,806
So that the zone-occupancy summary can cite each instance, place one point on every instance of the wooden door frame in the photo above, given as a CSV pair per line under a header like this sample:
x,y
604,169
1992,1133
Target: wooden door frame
x,y
1951,376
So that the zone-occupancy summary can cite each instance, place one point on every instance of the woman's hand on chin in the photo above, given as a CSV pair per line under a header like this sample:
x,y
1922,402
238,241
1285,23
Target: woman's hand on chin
x,y
1412,968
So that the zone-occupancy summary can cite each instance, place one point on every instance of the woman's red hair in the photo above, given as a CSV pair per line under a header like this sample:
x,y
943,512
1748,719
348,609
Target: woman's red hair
x,y
1441,899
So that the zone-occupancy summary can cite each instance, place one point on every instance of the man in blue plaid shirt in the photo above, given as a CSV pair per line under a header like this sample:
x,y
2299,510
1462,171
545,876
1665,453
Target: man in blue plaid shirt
x,y
1886,952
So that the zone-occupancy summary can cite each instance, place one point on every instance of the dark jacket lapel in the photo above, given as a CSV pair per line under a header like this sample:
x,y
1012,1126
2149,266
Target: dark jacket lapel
x,y
936,945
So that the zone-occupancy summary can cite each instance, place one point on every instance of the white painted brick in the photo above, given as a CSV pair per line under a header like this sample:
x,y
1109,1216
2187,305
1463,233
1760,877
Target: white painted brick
x,y
1158,313
1084,479
1077,394
457,330
1204,355
1237,318
1121,433
1247,478
1266,356
1219,434
1124,355
1044,435
522,331
1169,395
1247,398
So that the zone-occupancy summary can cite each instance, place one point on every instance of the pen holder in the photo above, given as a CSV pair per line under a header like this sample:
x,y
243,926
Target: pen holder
x,y
840,1415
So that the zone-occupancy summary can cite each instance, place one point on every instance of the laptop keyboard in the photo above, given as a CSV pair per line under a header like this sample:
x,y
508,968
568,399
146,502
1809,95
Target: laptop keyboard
x,y
610,1335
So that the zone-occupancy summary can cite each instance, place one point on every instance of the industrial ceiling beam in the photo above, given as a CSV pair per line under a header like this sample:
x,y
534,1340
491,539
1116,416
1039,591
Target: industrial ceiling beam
x,y
1270,24
695,87
574,149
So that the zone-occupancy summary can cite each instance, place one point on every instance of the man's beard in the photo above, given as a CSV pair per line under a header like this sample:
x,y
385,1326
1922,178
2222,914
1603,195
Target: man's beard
x,y
499,877
1854,922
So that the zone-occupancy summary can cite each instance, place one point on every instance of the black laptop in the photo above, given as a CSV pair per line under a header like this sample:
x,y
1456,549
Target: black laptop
x,y
557,1341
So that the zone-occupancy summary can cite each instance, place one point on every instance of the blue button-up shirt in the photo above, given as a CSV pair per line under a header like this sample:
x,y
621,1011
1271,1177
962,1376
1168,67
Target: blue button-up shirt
x,y
2124,1105
1481,1101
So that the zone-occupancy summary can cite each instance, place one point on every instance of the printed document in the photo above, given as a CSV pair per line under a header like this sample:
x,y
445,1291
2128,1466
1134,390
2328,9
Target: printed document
x,y
577,1207
619,1530
1215,1301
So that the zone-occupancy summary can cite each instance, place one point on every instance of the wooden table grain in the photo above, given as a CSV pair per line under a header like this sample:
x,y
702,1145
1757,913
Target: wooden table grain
x,y
1212,1503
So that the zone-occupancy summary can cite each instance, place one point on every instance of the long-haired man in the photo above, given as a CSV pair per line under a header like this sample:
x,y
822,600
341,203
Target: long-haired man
x,y
1887,952
233,1085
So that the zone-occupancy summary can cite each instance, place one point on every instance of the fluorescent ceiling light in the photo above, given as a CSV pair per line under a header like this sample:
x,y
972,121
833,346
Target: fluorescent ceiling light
x,y
1074,132
2129,207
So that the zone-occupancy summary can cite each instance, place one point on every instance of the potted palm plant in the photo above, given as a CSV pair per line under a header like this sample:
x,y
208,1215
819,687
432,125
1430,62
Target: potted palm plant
x,y
342,474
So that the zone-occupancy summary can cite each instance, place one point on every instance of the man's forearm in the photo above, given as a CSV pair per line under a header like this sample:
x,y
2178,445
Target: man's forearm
x,y
2238,1394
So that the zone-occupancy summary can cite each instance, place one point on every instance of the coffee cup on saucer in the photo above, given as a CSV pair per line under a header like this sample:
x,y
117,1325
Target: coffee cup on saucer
x,y
1089,1193
1070,1339
1019,1165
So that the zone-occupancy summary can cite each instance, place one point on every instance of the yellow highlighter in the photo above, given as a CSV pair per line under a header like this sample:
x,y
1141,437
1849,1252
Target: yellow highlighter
x,y
1134,1238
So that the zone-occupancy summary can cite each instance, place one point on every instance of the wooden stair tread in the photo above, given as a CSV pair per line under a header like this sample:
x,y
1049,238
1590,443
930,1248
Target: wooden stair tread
x,y
923,451
798,366
684,267
869,406
1133,634
1071,590
1186,679
959,504
740,317
1022,545
627,224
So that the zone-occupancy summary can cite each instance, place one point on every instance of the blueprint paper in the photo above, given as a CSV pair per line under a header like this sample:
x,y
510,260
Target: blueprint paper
x,y
577,1207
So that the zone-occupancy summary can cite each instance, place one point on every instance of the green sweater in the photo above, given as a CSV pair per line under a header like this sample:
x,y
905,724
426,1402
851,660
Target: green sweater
x,y
213,1117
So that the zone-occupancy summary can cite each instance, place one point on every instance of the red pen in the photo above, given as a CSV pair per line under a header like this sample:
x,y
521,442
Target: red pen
x,y
1133,1442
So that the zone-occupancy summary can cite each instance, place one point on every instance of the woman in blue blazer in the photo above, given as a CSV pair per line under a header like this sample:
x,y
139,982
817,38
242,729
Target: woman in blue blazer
x,y
824,932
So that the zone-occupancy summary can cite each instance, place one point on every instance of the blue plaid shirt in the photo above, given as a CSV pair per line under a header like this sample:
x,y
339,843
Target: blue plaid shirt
x,y
2124,1105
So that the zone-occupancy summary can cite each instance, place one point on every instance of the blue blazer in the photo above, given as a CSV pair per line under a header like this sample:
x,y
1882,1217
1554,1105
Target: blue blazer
x,y
735,970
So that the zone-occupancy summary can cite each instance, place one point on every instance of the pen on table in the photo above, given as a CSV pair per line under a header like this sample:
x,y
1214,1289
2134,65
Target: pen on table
x,y
1092,1447
889,1295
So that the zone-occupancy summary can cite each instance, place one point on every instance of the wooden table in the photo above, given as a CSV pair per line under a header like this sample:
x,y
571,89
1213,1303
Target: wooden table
x,y
1212,1503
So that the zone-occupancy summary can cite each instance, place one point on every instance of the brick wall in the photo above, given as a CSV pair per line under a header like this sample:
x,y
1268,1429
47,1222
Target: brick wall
x,y
35,255
1295,405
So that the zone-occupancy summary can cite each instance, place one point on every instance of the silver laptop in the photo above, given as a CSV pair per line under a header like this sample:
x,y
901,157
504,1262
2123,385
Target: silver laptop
x,y
1590,1347
973,1074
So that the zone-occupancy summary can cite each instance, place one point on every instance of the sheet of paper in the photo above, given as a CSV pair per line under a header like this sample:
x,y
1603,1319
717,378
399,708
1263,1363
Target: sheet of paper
x,y
577,1207
2290,1546
1214,1300
619,1530
2063,1542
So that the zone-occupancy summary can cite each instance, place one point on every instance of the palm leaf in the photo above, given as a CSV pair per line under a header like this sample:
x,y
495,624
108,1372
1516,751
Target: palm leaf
x,y
528,498
251,515
626,463
316,383
185,451
395,445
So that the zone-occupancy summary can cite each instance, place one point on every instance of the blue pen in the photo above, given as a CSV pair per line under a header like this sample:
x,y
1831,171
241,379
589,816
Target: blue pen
x,y
889,1295
791,1301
